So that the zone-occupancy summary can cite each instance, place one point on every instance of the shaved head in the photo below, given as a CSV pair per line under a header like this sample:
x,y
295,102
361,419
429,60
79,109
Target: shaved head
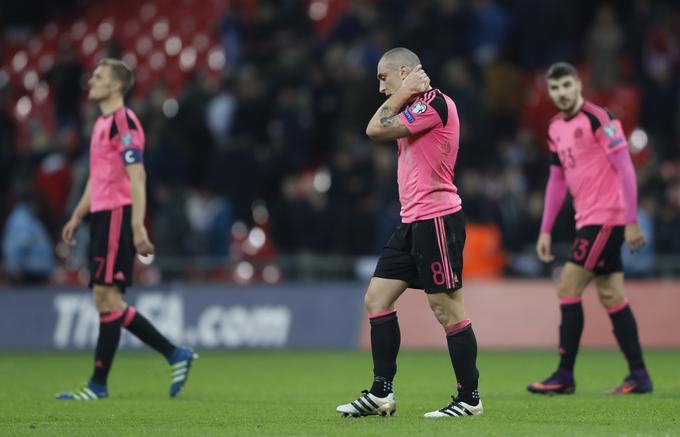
x,y
400,56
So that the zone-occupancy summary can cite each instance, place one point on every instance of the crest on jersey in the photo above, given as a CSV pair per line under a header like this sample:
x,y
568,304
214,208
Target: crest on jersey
x,y
419,108
126,140
610,130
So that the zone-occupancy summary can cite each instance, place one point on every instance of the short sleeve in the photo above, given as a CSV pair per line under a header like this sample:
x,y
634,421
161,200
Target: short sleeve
x,y
420,117
611,137
128,141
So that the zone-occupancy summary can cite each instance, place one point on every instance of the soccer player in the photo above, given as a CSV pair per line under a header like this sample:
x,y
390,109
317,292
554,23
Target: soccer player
x,y
426,249
115,198
590,158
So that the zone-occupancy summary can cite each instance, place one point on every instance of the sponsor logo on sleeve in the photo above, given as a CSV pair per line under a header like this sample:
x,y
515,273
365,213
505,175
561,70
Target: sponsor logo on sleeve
x,y
610,130
615,143
419,108
126,140
409,116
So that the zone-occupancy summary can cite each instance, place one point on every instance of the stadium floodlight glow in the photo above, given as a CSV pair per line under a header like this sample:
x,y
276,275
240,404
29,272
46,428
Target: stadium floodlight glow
x,y
78,29
148,11
130,60
318,9
170,108
244,272
19,61
638,140
31,80
187,58
322,180
260,212
271,274
157,61
160,29
105,30
23,107
257,238
216,59
89,45
42,90
239,230
173,45
144,45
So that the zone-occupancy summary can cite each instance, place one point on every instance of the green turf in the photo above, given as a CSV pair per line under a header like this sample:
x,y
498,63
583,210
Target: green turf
x,y
295,393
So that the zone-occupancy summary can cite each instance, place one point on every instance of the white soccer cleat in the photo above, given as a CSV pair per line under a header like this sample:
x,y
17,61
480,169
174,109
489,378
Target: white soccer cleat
x,y
369,405
457,409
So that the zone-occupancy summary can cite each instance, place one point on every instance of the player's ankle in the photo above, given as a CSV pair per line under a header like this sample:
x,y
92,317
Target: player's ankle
x,y
381,387
470,397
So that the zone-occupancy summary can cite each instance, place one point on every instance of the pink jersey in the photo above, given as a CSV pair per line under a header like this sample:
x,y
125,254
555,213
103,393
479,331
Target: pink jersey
x,y
427,158
117,140
581,145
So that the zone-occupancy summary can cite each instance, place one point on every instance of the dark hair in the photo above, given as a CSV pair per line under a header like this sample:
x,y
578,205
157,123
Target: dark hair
x,y
120,72
561,69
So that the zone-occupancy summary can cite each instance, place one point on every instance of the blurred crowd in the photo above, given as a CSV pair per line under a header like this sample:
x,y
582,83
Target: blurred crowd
x,y
276,142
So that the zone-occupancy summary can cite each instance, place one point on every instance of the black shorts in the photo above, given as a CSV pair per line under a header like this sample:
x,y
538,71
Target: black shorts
x,y
598,248
426,254
112,249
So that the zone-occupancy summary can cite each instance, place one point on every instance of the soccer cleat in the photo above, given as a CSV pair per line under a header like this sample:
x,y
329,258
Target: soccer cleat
x,y
180,363
457,409
560,382
369,405
634,384
90,392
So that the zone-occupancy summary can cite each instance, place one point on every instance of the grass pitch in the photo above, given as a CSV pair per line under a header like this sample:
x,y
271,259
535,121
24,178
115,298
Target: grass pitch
x,y
295,393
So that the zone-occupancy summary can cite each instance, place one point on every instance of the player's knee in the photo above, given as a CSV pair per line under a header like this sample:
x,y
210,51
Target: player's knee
x,y
373,303
107,300
441,313
609,297
566,289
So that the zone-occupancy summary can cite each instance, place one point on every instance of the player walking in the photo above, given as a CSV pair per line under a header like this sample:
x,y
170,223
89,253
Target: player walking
x,y
590,158
426,249
115,198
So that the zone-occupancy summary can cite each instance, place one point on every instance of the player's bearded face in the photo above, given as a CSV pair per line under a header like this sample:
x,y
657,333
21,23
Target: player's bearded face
x,y
564,92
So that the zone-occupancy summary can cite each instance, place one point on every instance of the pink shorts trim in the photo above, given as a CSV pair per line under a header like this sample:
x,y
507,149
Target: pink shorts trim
x,y
616,308
598,246
129,315
570,300
382,314
110,317
457,327
114,240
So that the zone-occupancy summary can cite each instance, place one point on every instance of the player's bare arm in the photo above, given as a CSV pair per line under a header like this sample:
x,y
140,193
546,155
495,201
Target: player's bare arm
x,y
79,213
138,193
385,125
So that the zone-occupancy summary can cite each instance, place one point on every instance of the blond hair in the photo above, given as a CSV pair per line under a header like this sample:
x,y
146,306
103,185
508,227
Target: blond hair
x,y
120,72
